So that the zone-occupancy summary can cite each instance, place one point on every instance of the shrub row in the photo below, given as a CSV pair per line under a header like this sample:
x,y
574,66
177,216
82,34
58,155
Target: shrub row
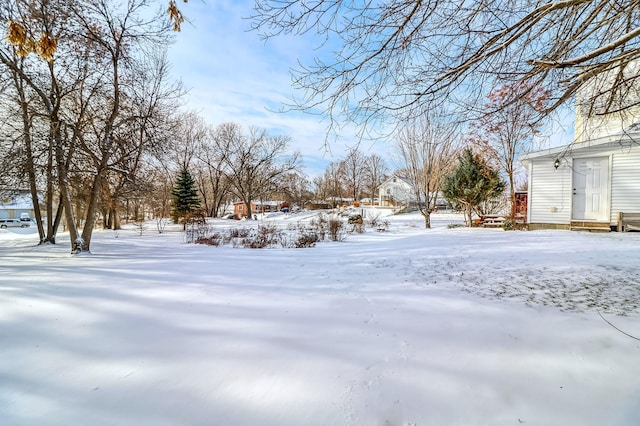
x,y
300,235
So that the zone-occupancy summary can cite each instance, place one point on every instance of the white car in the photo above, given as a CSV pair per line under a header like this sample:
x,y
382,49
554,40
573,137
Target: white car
x,y
13,223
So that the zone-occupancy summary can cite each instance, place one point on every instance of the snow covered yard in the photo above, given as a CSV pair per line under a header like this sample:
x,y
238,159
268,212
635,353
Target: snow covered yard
x,y
406,327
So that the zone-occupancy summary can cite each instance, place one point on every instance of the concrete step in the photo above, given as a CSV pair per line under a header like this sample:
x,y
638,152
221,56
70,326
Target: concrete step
x,y
591,228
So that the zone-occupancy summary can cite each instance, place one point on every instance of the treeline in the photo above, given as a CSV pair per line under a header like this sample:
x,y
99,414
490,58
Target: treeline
x,y
86,104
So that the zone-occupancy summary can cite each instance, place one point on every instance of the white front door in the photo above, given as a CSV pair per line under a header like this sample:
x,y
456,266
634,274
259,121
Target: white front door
x,y
591,189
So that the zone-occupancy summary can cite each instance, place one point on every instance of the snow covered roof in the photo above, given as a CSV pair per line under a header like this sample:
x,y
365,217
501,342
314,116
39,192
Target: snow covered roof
x,y
19,202
261,203
395,178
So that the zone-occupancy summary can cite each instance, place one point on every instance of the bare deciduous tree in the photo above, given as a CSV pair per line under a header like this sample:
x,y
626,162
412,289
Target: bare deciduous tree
x,y
82,87
352,167
375,172
333,182
190,133
212,178
41,90
320,191
427,149
295,187
123,44
254,162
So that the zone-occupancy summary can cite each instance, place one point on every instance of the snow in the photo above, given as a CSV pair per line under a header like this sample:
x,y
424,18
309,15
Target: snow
x,y
406,327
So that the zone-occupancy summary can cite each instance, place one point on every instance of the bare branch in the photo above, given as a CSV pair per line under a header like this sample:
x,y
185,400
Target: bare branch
x,y
382,62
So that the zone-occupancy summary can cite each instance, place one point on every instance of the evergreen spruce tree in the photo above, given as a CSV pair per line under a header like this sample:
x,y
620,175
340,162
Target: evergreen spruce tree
x,y
471,183
185,195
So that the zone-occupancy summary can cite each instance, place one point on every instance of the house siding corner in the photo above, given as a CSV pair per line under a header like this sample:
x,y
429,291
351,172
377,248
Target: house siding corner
x,y
625,182
550,193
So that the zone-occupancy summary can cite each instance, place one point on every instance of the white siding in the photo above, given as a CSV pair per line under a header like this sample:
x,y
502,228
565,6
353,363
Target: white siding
x,y
625,181
597,127
397,189
550,192
594,98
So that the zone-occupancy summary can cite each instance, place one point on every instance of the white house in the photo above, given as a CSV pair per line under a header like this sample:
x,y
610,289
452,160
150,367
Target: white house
x,y
396,191
16,206
587,184
584,185
240,208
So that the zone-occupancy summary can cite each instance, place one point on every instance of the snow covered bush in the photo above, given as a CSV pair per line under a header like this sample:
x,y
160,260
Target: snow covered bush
x,y
262,237
161,224
383,226
306,239
268,235
213,240
195,226
140,227
508,224
320,226
331,227
378,224
239,233
336,230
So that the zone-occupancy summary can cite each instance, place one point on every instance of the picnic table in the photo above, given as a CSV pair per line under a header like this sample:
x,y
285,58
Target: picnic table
x,y
492,221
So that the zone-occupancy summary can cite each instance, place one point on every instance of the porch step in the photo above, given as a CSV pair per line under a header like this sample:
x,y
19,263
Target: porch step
x,y
590,226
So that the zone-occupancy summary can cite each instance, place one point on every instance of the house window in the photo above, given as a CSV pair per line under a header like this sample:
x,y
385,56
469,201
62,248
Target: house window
x,y
388,191
240,207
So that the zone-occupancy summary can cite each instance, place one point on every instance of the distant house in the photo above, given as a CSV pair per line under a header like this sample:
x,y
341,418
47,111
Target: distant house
x,y
396,191
339,201
317,205
257,207
16,206
587,184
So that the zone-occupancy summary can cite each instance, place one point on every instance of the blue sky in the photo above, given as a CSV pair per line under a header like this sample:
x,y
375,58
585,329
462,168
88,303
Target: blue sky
x,y
233,75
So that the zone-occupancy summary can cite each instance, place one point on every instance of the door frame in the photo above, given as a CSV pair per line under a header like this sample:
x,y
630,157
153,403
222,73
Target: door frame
x,y
607,195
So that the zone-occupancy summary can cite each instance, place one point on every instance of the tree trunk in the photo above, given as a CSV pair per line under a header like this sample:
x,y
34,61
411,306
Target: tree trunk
x,y
512,195
55,224
115,218
427,219
68,214
29,163
106,218
136,212
65,193
90,216
249,211
51,227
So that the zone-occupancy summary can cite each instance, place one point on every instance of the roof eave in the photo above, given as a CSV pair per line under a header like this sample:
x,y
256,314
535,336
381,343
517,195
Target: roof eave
x,y
620,139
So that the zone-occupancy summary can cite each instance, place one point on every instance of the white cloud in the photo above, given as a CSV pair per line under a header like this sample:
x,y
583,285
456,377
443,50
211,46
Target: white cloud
x,y
233,75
